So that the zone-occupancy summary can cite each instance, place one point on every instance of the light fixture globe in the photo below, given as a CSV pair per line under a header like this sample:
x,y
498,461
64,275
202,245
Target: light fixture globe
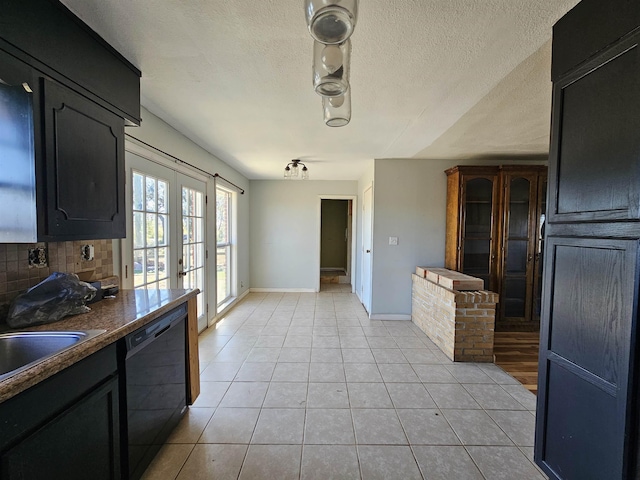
x,y
331,65
331,21
337,110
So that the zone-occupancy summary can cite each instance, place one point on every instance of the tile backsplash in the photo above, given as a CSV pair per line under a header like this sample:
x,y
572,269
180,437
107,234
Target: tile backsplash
x,y
16,275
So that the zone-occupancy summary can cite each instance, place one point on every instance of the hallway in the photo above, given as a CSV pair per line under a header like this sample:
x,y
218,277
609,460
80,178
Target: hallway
x,y
304,385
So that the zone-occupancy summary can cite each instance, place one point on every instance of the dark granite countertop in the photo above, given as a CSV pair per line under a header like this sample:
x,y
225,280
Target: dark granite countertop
x,y
130,310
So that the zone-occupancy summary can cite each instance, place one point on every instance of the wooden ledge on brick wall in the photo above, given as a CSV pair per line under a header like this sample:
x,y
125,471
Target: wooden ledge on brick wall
x,y
450,279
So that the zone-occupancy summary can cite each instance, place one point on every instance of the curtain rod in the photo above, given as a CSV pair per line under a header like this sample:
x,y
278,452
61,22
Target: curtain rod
x,y
214,175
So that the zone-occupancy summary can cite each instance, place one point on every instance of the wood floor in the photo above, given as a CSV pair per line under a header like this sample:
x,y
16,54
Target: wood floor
x,y
517,353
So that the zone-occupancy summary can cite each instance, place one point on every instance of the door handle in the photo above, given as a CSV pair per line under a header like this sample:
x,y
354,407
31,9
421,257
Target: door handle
x,y
367,251
182,274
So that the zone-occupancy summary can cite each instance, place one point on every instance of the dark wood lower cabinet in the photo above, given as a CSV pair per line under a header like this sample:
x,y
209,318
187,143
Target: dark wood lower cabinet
x,y
67,427
84,438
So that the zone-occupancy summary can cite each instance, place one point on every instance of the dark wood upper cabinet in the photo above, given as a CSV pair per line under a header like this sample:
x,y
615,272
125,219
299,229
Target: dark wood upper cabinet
x,y
83,94
494,223
588,411
84,167
47,36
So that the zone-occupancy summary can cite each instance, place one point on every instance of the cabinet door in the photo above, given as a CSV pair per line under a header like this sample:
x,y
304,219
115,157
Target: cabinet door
x,y
84,168
587,414
518,247
478,235
82,442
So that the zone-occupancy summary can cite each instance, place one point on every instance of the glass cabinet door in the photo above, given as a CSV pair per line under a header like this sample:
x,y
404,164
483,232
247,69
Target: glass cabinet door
x,y
517,250
478,231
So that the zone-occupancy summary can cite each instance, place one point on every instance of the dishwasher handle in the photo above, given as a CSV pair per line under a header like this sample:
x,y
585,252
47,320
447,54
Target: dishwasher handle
x,y
143,336
162,331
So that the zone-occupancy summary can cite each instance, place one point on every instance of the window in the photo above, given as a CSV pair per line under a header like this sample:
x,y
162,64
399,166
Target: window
x,y
223,244
150,232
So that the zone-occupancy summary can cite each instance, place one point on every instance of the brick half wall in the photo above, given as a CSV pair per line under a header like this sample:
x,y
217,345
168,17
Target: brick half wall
x,y
461,323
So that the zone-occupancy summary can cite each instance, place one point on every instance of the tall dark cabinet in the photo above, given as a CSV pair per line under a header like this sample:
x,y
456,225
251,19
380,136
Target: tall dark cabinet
x,y
495,217
588,408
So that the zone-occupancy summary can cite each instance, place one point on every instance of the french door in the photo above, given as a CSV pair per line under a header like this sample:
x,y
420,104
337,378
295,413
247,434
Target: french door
x,y
165,245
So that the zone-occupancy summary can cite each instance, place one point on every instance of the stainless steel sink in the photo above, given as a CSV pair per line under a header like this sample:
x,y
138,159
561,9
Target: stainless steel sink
x,y
21,350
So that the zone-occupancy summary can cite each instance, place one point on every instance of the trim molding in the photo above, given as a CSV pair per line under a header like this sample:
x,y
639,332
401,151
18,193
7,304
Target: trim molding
x,y
389,316
283,290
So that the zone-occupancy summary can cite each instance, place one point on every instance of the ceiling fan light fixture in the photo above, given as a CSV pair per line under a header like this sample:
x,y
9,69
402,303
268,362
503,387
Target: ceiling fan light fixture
x,y
331,21
293,168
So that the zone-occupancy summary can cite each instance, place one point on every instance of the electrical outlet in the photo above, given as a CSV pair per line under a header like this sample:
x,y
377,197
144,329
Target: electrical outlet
x,y
38,257
393,240
241,284
86,252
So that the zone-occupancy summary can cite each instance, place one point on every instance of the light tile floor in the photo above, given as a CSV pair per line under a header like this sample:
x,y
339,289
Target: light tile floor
x,y
305,386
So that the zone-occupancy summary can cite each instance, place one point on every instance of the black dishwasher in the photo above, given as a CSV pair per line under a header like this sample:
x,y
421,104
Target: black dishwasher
x,y
156,387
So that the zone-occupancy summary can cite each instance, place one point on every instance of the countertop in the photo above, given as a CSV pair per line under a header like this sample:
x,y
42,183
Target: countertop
x,y
130,310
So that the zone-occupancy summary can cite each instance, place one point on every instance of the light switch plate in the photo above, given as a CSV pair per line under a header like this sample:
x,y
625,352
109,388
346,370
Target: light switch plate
x,y
393,240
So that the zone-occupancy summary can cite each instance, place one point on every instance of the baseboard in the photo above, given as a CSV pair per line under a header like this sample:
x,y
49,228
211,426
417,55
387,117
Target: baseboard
x,y
389,316
283,290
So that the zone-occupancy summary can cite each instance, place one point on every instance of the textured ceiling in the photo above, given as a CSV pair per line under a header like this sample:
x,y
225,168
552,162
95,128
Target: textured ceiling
x,y
430,78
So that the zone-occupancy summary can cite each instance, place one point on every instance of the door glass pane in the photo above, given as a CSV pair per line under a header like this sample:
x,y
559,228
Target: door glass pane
x,y
162,196
151,195
517,249
192,247
138,191
150,231
476,255
138,229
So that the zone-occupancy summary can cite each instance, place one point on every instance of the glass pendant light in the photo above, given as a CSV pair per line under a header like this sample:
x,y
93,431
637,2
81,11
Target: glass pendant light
x,y
294,170
305,173
331,21
337,110
287,172
331,68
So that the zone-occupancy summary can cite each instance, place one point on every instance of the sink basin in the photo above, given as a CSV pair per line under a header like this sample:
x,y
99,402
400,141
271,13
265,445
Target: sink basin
x,y
21,350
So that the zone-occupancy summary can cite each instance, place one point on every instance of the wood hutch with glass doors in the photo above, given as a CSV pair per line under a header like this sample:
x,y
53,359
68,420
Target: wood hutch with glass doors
x,y
495,231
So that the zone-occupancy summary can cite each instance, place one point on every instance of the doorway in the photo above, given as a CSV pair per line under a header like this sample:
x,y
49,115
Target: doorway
x,y
335,236
336,243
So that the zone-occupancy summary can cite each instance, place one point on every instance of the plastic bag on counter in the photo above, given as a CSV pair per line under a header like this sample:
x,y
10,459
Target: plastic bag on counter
x,y
57,296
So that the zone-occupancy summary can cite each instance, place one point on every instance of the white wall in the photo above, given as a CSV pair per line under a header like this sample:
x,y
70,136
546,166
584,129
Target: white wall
x,y
159,134
285,231
410,198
